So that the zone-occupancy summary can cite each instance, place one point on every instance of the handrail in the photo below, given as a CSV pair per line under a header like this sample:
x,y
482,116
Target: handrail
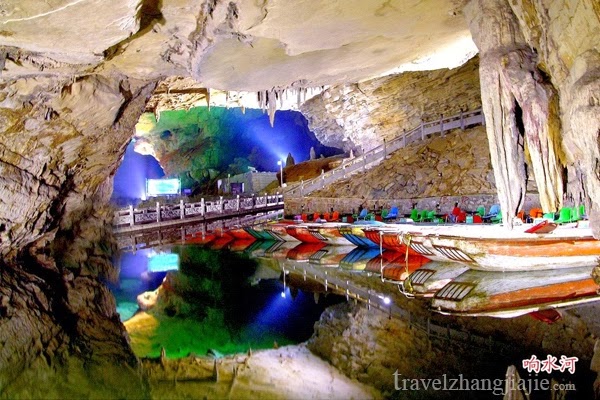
x,y
131,216
376,154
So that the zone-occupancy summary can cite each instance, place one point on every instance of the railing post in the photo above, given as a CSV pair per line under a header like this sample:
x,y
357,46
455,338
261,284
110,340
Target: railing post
x,y
202,207
482,118
422,129
302,188
157,211
364,159
462,121
442,124
384,148
238,203
404,138
181,209
131,216
221,205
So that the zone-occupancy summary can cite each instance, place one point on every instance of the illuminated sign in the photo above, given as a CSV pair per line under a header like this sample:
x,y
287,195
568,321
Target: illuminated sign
x,y
162,262
158,187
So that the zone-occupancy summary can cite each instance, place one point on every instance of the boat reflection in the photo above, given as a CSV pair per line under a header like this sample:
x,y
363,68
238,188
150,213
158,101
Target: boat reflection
x,y
512,294
427,280
453,288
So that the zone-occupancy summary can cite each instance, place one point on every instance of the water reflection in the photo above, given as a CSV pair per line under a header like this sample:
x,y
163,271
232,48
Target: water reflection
x,y
198,300
278,284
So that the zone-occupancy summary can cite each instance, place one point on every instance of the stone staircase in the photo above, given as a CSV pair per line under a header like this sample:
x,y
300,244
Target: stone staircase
x,y
376,155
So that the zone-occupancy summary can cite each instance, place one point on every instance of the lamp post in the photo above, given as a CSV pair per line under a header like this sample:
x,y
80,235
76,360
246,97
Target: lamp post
x,y
280,163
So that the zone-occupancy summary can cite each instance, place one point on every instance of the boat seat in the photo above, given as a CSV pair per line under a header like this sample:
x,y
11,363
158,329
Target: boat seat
x,y
414,214
494,211
565,215
335,216
536,213
393,214
549,216
497,218
480,211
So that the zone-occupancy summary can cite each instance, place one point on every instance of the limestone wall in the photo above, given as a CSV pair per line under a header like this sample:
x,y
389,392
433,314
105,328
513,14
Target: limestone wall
x,y
439,170
362,115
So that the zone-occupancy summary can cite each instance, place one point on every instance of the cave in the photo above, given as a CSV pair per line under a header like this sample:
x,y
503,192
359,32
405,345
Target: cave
x,y
76,77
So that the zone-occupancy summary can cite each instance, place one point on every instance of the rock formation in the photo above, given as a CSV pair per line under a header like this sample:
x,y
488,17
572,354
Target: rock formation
x,y
76,75
530,84
362,115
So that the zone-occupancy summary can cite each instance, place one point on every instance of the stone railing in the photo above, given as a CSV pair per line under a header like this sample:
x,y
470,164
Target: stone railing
x,y
182,233
203,209
377,154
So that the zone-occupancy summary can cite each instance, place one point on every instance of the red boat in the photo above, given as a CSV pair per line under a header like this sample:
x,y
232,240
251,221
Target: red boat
x,y
388,239
240,234
278,232
301,232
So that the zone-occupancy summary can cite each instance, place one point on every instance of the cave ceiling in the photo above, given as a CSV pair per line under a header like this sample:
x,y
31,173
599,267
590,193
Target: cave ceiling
x,y
241,47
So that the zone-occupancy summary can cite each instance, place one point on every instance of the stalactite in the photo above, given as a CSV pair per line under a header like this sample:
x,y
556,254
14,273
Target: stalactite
x,y
299,98
208,98
272,104
227,100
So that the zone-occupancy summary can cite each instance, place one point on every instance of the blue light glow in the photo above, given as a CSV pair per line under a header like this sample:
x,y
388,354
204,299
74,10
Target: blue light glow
x,y
130,178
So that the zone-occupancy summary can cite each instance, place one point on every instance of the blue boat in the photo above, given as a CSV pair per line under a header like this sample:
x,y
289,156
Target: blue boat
x,y
355,235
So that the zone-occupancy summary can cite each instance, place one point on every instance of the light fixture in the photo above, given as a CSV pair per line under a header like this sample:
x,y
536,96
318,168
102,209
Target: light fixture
x,y
280,163
386,300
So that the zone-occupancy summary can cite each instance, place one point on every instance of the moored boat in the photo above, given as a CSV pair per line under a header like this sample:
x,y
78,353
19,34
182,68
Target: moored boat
x,y
301,232
240,233
278,232
510,294
356,235
389,238
329,233
259,232
503,250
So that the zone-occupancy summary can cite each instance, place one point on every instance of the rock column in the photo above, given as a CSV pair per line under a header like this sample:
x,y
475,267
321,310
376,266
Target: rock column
x,y
521,109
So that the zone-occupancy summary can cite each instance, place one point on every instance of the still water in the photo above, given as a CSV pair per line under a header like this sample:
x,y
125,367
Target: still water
x,y
211,302
227,296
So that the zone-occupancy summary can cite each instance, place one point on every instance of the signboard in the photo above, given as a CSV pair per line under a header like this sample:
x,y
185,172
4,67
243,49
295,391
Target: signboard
x,y
158,187
163,262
